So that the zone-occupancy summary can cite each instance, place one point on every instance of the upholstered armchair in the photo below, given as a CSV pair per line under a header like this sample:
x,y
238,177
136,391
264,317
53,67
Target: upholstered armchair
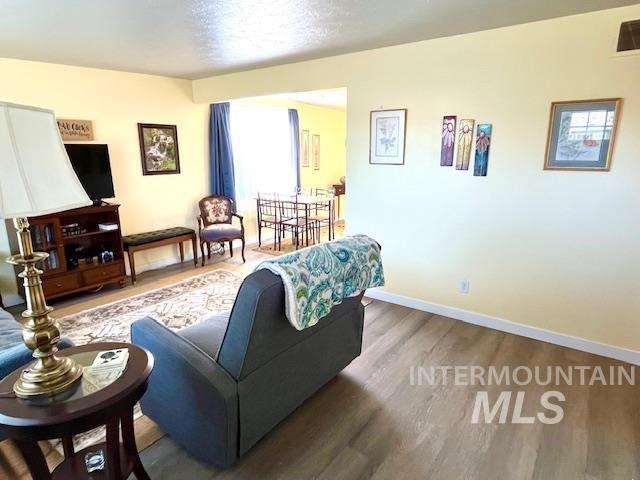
x,y
215,224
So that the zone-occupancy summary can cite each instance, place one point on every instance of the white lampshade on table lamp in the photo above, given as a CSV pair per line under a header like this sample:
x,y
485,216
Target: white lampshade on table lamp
x,y
36,178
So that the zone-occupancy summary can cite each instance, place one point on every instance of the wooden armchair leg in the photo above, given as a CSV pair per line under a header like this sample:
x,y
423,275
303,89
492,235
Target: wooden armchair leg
x,y
202,251
242,252
231,247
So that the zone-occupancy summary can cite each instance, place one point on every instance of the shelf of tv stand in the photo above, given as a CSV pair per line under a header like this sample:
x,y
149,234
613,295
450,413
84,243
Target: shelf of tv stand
x,y
92,266
88,234
65,279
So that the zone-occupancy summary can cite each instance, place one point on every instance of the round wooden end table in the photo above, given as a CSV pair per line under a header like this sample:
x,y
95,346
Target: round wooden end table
x,y
89,404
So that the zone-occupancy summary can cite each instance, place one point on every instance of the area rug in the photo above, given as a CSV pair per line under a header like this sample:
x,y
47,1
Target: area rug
x,y
177,306
287,244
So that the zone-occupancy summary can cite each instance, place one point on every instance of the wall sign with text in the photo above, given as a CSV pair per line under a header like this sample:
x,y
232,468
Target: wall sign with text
x,y
77,130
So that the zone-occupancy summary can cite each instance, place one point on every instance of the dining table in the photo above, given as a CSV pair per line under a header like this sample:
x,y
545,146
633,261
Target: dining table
x,y
306,204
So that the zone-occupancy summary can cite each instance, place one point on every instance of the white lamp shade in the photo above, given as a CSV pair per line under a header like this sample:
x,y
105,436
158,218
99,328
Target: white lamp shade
x,y
36,176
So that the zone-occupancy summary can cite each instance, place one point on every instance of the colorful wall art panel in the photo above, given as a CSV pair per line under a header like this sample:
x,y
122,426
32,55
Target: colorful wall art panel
x,y
448,140
483,143
465,143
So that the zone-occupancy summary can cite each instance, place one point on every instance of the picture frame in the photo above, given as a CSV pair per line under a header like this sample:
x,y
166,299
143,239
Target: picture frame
x,y
581,134
159,150
304,147
315,143
387,136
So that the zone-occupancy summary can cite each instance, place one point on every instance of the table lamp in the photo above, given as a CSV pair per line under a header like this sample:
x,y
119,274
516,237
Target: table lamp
x,y
36,178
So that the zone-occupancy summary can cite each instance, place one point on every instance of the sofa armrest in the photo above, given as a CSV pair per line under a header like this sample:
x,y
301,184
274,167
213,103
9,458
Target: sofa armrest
x,y
190,396
18,355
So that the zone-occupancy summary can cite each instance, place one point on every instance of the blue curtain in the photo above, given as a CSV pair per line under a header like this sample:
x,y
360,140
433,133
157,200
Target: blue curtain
x,y
220,152
294,125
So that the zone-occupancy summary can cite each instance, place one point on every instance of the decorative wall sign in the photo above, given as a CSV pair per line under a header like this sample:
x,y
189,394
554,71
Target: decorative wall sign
x,y
75,130
316,151
387,137
465,143
448,140
159,149
483,143
581,134
304,142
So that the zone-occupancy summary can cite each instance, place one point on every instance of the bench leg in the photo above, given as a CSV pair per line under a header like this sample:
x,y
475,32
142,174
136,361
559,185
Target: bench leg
x,y
194,247
181,247
132,266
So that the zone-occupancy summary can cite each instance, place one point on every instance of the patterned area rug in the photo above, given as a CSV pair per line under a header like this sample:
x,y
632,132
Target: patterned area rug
x,y
177,306
287,243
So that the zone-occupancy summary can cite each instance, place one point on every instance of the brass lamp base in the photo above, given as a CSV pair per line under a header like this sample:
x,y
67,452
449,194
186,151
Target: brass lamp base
x,y
48,375
36,381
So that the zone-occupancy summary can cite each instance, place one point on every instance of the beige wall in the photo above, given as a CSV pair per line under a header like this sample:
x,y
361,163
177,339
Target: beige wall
x,y
116,102
554,250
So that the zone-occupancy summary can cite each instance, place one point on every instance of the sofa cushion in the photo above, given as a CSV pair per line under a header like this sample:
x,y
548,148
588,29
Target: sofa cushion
x,y
13,352
10,330
208,334
155,236
220,231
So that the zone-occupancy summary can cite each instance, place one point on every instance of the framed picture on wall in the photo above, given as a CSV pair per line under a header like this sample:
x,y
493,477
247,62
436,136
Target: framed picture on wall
x,y
159,149
387,137
581,134
304,147
316,152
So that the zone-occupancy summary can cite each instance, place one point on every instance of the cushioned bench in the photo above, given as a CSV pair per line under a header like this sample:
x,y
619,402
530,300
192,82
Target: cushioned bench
x,y
159,238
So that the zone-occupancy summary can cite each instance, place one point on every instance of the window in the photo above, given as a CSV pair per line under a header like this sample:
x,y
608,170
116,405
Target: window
x,y
261,142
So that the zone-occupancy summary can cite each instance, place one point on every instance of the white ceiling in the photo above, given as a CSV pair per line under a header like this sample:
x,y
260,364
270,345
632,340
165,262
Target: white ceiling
x,y
197,38
334,98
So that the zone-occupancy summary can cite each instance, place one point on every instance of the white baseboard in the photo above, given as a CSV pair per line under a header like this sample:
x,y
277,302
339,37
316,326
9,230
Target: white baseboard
x,y
188,257
11,299
544,335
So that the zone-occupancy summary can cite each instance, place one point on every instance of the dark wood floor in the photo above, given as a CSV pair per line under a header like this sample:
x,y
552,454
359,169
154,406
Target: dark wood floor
x,y
370,422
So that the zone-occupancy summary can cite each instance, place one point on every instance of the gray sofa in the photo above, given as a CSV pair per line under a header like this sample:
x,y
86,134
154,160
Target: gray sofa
x,y
13,353
219,386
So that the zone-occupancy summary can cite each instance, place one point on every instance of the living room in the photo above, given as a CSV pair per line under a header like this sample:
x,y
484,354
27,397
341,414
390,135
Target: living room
x,y
491,257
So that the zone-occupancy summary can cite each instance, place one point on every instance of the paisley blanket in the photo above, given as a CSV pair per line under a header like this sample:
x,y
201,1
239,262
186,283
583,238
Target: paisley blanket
x,y
318,277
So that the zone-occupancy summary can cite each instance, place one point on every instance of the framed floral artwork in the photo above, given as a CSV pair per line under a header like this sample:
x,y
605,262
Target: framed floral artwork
x,y
387,137
581,134
304,143
315,143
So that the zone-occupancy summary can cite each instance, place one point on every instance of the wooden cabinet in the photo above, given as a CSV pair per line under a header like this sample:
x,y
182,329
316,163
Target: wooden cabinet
x,y
75,243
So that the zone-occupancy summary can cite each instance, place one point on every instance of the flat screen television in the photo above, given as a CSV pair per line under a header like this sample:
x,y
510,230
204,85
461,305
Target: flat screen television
x,y
91,163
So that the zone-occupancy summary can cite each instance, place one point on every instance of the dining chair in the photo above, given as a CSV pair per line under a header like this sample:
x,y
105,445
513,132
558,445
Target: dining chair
x,y
215,224
268,216
323,211
294,218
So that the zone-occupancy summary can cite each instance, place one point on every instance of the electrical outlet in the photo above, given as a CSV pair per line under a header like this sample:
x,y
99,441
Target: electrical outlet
x,y
464,286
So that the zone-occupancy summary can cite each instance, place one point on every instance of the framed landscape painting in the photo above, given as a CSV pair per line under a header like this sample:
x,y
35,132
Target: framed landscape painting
x,y
159,149
387,137
581,134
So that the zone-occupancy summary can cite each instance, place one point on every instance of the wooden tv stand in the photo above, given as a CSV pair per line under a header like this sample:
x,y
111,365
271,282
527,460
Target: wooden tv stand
x,y
61,276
